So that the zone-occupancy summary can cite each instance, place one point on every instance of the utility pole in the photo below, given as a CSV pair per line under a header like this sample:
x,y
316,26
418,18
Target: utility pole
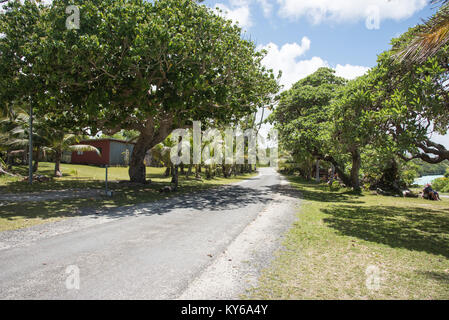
x,y
30,151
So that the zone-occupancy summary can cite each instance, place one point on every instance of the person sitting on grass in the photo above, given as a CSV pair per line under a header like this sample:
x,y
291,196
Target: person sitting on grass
x,y
430,194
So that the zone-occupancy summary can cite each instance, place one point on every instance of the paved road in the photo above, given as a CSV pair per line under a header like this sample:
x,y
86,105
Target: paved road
x,y
170,249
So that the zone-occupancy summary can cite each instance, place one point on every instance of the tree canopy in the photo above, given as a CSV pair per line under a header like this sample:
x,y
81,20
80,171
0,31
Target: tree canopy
x,y
384,118
135,65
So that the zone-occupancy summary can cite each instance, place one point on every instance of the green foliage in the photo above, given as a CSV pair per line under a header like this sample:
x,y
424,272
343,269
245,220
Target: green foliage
x,y
428,169
376,161
353,128
304,118
335,186
146,63
411,102
126,135
324,117
303,114
376,123
149,66
408,173
441,184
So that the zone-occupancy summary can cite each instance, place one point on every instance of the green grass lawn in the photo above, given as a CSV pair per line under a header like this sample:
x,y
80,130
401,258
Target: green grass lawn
x,y
14,215
349,246
74,176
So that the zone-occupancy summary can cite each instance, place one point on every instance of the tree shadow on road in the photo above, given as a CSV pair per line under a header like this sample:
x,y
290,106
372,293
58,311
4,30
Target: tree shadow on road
x,y
219,199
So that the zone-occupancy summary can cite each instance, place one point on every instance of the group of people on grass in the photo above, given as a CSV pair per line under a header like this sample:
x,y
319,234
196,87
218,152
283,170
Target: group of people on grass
x,y
430,194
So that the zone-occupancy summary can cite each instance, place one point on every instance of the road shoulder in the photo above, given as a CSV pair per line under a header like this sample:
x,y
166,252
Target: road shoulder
x,y
237,269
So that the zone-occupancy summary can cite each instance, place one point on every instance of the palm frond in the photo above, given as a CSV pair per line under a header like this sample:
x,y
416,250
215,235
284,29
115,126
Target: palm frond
x,y
17,142
429,39
69,137
84,147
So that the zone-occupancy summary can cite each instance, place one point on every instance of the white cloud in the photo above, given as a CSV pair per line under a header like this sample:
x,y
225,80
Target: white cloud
x,y
349,71
444,140
267,7
286,59
350,10
239,11
240,15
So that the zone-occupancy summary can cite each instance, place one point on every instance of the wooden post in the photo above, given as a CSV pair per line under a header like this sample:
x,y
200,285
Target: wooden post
x,y
106,179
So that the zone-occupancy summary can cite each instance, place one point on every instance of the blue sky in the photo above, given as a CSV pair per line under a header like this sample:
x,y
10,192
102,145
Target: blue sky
x,y
337,29
303,35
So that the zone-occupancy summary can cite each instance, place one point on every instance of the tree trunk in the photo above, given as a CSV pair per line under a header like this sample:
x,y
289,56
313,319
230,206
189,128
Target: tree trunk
x,y
197,171
189,171
137,168
340,172
208,172
332,172
175,179
9,159
36,161
58,157
355,170
317,171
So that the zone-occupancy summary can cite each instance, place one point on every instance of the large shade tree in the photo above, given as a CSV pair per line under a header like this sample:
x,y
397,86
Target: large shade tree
x,y
412,102
304,118
137,65
352,127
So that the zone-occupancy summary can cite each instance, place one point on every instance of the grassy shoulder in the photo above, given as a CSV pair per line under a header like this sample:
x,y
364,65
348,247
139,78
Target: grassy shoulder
x,y
348,246
15,215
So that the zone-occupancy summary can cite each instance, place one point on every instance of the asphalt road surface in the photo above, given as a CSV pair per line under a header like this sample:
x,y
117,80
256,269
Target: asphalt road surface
x,y
209,245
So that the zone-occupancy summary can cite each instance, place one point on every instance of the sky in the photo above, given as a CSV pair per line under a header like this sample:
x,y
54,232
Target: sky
x,y
304,35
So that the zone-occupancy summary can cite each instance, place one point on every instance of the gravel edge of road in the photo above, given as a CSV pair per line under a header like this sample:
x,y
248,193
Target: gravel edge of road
x,y
238,268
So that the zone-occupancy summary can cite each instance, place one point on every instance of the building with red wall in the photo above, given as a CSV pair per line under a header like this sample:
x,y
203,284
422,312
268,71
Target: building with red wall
x,y
113,152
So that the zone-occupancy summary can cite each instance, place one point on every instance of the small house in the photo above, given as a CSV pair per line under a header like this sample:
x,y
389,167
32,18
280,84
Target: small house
x,y
114,152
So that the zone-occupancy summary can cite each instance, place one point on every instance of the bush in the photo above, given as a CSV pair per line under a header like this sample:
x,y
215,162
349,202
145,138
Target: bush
x,y
408,175
441,184
335,186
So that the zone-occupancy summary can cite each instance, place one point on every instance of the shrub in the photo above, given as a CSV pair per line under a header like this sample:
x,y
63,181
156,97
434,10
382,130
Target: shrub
x,y
441,184
335,185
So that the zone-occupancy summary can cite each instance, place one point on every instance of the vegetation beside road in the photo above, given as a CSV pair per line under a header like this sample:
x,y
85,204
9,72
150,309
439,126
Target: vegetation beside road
x,y
15,215
339,234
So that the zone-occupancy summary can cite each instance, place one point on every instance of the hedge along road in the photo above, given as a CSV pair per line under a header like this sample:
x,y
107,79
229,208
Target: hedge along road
x,y
208,245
